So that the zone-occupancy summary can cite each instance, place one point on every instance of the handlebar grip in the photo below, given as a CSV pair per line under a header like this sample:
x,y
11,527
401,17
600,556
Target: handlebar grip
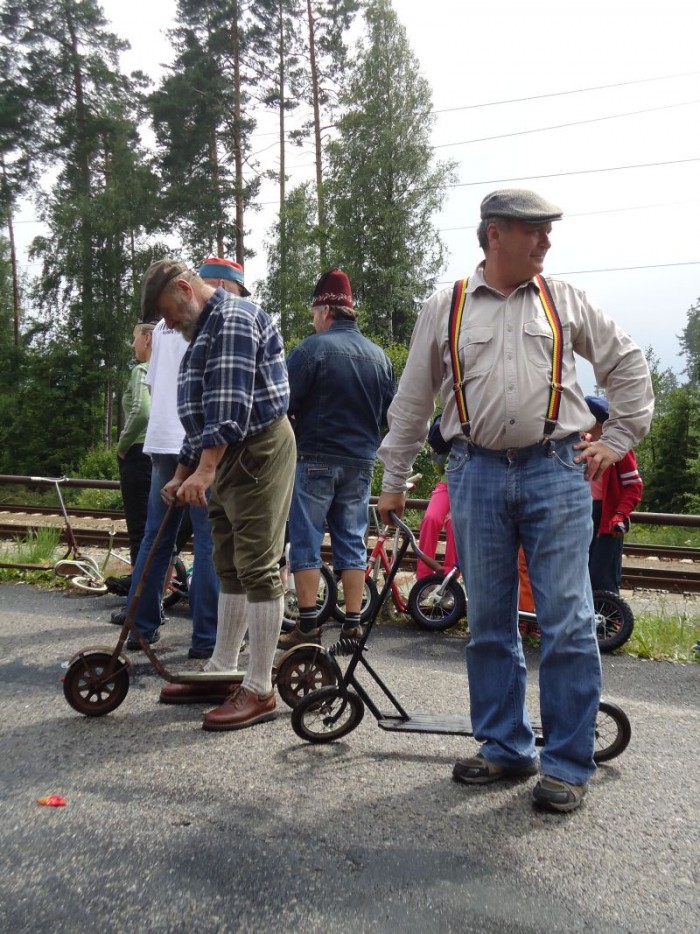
x,y
401,525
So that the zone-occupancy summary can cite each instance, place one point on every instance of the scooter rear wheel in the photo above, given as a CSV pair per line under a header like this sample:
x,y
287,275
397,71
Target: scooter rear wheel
x,y
301,671
326,715
88,691
178,585
614,620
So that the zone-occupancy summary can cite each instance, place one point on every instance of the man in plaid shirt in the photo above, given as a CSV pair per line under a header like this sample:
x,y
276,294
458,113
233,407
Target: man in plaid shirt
x,y
233,395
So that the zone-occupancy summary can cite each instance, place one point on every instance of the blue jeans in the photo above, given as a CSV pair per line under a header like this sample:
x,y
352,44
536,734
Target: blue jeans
x,y
336,494
542,500
204,590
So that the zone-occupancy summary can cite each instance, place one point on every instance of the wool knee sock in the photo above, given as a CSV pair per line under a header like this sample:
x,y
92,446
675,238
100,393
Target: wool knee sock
x,y
264,624
230,629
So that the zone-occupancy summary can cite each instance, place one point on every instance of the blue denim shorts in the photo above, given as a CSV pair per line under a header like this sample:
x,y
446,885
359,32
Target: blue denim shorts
x,y
339,496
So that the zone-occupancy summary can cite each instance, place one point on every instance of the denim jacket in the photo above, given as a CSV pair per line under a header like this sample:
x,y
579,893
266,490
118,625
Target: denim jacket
x,y
341,385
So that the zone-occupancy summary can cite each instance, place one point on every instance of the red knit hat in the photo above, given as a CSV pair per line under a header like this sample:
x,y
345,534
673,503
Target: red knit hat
x,y
333,288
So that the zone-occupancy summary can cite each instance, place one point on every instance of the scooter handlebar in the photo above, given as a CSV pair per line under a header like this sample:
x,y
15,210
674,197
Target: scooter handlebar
x,y
401,525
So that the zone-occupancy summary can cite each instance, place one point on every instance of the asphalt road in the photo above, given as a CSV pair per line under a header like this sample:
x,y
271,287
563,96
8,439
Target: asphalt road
x,y
171,829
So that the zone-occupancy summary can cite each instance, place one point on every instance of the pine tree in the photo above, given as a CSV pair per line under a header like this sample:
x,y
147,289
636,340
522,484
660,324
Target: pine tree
x,y
383,184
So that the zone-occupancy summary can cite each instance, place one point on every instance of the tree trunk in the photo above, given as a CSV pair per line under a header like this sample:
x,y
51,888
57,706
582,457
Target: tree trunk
x,y
237,136
283,180
16,310
323,233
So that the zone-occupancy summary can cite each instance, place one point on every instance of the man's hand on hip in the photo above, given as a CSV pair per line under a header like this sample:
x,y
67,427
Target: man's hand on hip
x,y
598,457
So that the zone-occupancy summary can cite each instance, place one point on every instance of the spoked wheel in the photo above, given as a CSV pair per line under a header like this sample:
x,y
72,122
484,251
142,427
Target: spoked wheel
x,y
614,620
302,671
326,715
612,732
370,598
88,691
90,585
178,585
325,600
435,605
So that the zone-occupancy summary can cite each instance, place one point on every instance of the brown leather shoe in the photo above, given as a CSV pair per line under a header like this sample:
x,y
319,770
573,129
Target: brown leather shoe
x,y
242,708
204,692
288,640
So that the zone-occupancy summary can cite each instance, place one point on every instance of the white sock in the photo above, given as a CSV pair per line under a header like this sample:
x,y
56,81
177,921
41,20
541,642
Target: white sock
x,y
264,625
230,628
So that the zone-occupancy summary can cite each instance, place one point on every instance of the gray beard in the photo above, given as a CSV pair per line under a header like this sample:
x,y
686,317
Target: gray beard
x,y
187,329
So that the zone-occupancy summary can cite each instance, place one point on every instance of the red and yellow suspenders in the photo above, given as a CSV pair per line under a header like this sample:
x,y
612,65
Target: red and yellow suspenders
x,y
459,300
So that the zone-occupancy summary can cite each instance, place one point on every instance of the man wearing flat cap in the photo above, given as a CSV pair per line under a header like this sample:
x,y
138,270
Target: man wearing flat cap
x,y
239,453
499,349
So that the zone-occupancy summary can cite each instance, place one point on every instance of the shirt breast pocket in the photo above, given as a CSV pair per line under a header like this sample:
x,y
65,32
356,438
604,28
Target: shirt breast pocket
x,y
476,350
539,342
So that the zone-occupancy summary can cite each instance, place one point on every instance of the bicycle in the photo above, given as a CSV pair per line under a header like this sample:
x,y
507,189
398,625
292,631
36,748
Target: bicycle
x,y
434,605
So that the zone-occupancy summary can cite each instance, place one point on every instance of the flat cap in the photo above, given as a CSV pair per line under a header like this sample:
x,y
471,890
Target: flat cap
x,y
156,278
520,204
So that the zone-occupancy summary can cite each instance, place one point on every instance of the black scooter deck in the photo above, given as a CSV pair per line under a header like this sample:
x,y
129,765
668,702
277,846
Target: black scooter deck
x,y
418,722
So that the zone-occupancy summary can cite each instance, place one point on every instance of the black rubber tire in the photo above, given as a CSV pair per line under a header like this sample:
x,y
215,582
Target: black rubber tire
x,y
302,671
310,714
83,690
613,732
437,617
614,620
370,599
178,585
325,601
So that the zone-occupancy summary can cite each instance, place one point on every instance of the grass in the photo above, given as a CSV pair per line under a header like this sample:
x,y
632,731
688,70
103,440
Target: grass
x,y
669,638
39,547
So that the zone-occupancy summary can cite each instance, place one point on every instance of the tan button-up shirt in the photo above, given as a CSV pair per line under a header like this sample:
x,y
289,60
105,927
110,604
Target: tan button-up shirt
x,y
505,348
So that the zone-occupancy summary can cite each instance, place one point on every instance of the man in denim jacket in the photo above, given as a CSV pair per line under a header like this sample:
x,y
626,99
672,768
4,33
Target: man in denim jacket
x,y
341,385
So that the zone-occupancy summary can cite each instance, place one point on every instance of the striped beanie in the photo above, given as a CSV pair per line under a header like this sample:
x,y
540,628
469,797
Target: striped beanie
x,y
215,268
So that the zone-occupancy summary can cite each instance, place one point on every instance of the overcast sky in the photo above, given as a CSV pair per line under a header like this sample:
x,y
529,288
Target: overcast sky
x,y
640,56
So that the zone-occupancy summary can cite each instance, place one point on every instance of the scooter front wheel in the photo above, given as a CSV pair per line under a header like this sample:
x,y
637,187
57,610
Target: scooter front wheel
x,y
89,690
90,585
613,732
326,715
436,605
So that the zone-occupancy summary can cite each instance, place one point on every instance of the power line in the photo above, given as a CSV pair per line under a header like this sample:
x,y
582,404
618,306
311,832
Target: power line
x,y
563,126
539,97
525,178
567,216
584,272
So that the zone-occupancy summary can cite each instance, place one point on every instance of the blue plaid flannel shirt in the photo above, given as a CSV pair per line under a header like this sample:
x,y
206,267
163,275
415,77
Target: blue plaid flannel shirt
x,y
233,377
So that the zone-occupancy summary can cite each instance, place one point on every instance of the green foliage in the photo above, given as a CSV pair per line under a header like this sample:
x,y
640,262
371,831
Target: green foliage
x,y
689,341
667,455
39,547
384,188
664,637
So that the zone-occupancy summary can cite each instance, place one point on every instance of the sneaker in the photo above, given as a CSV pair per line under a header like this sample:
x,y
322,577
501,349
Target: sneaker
x,y
118,585
479,771
242,708
297,637
133,646
118,617
553,794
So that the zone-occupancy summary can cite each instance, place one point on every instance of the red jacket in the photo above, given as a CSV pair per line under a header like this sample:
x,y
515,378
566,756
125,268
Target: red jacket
x,y
622,491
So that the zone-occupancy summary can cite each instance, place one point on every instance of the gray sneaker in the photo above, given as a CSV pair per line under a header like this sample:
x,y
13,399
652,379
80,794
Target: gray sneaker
x,y
553,794
479,771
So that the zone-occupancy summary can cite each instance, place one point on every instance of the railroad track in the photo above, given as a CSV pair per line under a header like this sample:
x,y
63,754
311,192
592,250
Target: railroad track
x,y
648,578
